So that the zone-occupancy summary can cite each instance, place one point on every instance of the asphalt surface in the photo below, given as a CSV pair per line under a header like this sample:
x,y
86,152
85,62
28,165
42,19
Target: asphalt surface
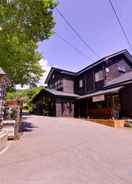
x,y
68,151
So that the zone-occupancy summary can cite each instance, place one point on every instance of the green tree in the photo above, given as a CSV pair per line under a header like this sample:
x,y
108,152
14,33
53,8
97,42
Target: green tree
x,y
26,95
22,25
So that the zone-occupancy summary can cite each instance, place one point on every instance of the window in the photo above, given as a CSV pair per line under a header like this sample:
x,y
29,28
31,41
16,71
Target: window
x,y
56,85
107,70
50,86
53,76
80,83
60,84
99,76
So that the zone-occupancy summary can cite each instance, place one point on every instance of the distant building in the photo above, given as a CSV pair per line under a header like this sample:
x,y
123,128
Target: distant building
x,y
101,90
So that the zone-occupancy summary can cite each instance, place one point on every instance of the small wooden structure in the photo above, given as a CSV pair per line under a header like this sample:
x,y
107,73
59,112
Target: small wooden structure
x,y
17,106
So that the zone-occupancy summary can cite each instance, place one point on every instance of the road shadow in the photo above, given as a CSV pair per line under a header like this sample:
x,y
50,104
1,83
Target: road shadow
x,y
27,127
24,118
25,113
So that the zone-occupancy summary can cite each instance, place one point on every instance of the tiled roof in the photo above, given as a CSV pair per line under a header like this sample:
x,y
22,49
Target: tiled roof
x,y
123,78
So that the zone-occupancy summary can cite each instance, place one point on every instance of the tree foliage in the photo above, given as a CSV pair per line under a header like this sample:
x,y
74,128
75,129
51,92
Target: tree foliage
x,y
26,95
22,25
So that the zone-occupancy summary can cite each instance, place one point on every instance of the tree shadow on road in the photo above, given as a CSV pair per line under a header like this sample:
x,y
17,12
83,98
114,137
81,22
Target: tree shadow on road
x,y
27,127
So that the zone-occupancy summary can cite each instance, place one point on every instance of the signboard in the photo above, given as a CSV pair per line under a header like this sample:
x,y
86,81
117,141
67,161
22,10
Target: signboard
x,y
98,98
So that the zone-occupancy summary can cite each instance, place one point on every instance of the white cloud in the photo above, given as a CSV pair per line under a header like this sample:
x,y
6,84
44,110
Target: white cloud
x,y
46,67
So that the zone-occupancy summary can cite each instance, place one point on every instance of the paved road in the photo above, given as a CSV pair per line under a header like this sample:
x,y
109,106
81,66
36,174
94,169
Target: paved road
x,y
68,151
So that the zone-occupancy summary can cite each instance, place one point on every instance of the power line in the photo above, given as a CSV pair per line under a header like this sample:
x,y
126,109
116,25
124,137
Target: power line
x,y
120,24
76,32
73,47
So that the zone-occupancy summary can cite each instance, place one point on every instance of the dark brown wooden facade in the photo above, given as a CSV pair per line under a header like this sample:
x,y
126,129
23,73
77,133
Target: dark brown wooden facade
x,y
49,104
101,90
126,101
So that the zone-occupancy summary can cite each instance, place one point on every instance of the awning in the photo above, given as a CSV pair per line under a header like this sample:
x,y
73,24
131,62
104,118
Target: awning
x,y
102,92
61,93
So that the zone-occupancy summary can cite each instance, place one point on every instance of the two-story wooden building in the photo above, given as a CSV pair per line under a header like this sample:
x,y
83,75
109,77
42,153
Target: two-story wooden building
x,y
101,90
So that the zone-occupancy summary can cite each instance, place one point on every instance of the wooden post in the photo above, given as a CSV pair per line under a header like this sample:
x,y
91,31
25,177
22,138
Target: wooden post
x,y
18,119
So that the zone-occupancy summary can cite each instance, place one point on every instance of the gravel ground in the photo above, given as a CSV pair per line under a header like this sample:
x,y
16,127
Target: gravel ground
x,y
68,151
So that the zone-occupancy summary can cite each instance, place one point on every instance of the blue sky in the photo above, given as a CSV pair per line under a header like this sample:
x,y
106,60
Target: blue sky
x,y
96,23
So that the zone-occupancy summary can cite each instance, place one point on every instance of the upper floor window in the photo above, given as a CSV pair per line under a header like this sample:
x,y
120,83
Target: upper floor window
x,y
56,83
53,76
107,70
60,84
99,76
50,86
80,83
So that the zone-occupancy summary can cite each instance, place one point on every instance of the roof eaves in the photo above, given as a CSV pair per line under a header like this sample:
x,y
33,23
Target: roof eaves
x,y
119,84
102,92
125,52
102,60
59,93
61,71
